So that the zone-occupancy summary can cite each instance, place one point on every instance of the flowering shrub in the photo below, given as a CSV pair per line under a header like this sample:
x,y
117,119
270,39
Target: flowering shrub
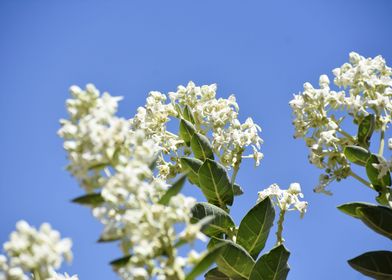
x,y
364,96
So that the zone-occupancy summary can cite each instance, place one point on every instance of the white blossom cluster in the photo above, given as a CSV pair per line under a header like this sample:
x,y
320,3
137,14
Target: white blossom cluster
x,y
286,200
366,88
215,118
65,276
34,252
108,155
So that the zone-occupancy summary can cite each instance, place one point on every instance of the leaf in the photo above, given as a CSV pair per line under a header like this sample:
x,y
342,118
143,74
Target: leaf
x,y
378,218
356,154
351,208
120,262
201,147
173,190
191,166
215,274
106,239
221,223
376,264
186,131
272,266
234,261
207,260
255,227
215,184
365,131
237,190
188,115
91,199
372,172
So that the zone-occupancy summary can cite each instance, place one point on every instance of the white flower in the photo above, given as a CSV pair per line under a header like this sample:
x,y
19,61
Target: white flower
x,y
65,276
286,200
30,249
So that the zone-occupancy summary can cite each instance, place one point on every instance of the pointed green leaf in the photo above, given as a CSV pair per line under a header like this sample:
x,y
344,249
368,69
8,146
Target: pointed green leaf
x,y
120,262
272,266
215,274
191,166
365,131
173,190
201,147
107,239
215,184
376,264
255,227
234,261
221,223
207,260
188,115
378,218
357,155
91,199
373,173
237,190
186,131
351,208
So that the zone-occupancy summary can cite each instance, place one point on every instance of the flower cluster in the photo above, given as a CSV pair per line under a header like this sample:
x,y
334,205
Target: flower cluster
x,y
65,276
116,156
34,252
286,200
366,88
217,118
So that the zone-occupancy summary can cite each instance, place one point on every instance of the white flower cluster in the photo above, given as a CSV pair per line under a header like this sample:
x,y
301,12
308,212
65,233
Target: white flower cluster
x,y
109,155
366,88
33,252
212,116
65,276
286,200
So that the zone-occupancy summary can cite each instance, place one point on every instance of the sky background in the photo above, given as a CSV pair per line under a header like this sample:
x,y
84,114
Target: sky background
x,y
262,51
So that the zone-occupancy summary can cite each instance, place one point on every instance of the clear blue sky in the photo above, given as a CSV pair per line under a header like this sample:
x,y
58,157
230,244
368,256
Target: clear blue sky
x,y
263,51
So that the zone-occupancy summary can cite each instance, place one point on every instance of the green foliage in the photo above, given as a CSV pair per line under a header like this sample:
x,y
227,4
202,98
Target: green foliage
x,y
373,173
255,227
192,166
376,264
188,115
173,190
272,266
234,260
215,274
186,131
215,184
207,260
221,222
91,199
365,131
120,262
356,154
350,208
378,218
201,147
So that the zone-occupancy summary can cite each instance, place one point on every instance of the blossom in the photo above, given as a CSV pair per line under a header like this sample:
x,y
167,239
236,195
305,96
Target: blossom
x,y
286,200
65,276
365,87
34,250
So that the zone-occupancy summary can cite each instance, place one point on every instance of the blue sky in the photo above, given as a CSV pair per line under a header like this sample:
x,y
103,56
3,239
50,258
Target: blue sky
x,y
263,51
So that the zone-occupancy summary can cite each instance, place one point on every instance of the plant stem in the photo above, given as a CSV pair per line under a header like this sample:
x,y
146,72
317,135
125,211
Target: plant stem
x,y
234,175
36,275
382,142
279,238
360,179
346,134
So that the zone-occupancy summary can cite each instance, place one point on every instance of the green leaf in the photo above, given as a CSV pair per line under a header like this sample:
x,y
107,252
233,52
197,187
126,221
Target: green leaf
x,y
376,264
255,227
173,190
215,184
186,131
201,147
373,172
356,154
234,261
188,115
365,131
272,266
215,274
207,260
221,223
91,199
351,208
120,262
237,190
106,239
378,218
191,166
